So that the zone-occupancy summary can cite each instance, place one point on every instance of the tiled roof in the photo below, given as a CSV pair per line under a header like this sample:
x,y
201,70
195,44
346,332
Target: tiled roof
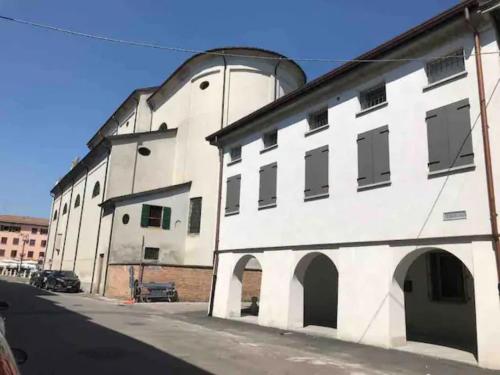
x,y
13,219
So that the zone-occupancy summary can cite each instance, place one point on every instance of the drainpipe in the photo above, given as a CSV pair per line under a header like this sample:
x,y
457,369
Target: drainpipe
x,y
48,231
81,215
109,252
219,201
486,142
57,225
67,223
100,220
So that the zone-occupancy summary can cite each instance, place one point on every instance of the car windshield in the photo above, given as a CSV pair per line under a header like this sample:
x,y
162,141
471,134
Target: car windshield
x,y
64,274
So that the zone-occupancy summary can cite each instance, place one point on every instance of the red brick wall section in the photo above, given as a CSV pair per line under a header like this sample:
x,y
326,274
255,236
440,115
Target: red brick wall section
x,y
193,284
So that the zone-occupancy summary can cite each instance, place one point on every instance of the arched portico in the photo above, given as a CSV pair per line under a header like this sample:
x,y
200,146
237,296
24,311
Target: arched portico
x,y
244,288
314,292
433,300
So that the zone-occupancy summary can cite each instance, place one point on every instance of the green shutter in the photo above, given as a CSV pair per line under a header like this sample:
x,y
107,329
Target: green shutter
x,y
167,212
145,216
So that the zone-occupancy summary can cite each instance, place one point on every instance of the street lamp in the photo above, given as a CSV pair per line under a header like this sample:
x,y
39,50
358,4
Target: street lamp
x,y
25,238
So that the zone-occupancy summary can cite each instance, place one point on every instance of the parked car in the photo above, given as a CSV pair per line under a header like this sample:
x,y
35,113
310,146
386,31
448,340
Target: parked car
x,y
39,278
9,357
64,281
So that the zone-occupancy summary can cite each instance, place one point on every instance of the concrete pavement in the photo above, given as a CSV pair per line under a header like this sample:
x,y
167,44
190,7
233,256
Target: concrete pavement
x,y
77,334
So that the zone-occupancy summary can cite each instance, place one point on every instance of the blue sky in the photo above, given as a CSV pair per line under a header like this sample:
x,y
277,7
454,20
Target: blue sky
x,y
56,90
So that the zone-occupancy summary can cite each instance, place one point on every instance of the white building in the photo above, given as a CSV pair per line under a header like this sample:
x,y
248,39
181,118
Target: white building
x,y
363,195
146,192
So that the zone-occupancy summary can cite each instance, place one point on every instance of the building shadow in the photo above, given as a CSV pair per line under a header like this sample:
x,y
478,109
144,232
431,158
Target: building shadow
x,y
61,341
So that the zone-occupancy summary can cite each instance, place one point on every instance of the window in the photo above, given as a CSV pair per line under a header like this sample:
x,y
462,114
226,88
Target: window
x,y
373,97
44,231
15,241
96,190
373,157
65,209
30,254
194,215
446,277
43,243
316,173
34,230
235,153
13,253
2,252
55,215
77,201
163,127
270,139
151,253
318,119
9,228
233,194
32,242
445,67
144,151
204,85
267,187
125,219
448,137
41,254
4,240
155,216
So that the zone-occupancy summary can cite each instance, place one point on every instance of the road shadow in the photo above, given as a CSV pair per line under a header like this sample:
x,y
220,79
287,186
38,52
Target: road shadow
x,y
61,341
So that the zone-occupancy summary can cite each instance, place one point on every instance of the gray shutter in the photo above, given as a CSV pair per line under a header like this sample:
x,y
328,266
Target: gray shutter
x,y
316,179
267,187
459,128
380,149
365,165
233,194
437,139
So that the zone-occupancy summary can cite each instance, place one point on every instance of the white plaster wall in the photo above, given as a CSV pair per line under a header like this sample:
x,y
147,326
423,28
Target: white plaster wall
x,y
61,230
393,212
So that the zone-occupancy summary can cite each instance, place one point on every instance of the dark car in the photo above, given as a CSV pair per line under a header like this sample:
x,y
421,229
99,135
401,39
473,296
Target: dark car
x,y
39,278
65,281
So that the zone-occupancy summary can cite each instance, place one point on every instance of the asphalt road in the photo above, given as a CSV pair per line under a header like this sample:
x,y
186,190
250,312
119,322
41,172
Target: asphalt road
x,y
77,334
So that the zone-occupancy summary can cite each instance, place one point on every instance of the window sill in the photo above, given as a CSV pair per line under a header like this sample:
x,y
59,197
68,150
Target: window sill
x,y
316,130
445,80
232,213
233,162
374,186
264,207
315,197
268,148
462,168
371,109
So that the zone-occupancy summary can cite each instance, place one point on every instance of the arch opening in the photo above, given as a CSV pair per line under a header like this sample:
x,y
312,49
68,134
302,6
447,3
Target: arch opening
x,y
245,285
437,294
314,292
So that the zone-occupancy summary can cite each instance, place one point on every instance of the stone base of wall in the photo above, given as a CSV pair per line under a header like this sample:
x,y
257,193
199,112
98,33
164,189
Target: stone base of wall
x,y
192,283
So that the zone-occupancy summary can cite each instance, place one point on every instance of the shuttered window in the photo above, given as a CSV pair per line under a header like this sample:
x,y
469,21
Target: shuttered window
x,y
155,216
267,187
446,66
195,215
316,176
373,157
233,194
448,136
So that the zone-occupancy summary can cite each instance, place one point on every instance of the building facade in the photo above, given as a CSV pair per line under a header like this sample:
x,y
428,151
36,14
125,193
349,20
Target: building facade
x,y
142,203
363,195
23,239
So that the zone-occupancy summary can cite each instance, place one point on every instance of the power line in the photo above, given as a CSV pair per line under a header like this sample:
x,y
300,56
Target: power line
x,y
215,53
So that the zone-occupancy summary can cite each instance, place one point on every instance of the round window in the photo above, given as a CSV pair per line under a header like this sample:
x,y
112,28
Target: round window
x,y
125,219
144,151
204,85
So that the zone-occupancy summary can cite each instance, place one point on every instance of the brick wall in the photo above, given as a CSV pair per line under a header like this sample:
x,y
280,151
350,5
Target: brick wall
x,y
193,284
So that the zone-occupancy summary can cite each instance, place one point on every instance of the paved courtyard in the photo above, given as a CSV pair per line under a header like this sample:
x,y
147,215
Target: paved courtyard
x,y
77,334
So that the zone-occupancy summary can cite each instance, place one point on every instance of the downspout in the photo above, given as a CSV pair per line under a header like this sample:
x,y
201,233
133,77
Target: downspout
x,y
219,200
57,225
81,215
67,223
486,142
48,231
100,220
109,252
